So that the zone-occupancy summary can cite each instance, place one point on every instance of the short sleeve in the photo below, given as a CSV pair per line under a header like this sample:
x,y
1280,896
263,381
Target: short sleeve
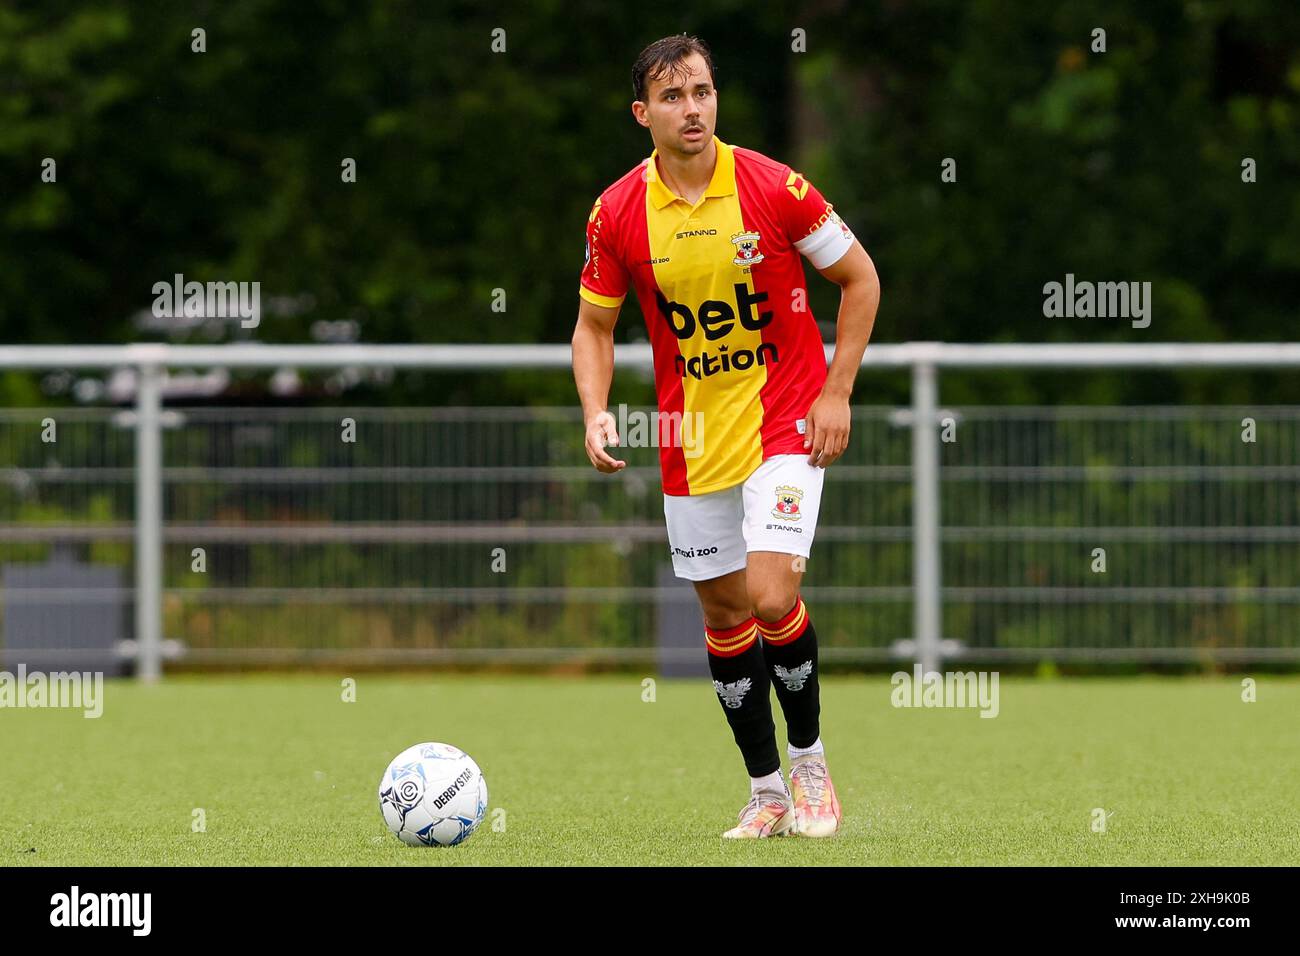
x,y
813,225
604,278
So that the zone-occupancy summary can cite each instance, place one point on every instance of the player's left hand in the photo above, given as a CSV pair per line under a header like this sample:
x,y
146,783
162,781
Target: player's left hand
x,y
827,433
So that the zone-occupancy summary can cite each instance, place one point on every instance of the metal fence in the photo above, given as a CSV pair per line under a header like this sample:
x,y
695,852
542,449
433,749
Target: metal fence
x,y
1152,533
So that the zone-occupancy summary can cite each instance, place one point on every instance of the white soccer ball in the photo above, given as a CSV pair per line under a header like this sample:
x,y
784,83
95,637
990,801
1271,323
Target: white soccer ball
x,y
433,795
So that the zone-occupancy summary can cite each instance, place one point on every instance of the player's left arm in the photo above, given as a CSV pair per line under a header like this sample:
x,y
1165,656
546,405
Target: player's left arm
x,y
829,417
818,233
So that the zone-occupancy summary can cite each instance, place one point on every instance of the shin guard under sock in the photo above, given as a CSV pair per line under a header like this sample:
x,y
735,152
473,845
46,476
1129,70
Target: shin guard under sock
x,y
742,684
790,651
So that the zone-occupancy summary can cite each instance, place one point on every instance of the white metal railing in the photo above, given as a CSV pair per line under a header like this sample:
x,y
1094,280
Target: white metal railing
x,y
925,359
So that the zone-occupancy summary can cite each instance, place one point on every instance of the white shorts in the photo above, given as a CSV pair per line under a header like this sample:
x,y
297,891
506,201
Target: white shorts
x,y
774,509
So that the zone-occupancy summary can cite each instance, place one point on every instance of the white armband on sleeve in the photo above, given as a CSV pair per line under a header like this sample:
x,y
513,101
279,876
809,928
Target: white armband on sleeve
x,y
828,243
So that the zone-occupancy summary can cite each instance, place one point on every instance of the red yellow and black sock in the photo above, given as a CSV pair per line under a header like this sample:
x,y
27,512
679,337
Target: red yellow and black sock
x,y
741,681
790,652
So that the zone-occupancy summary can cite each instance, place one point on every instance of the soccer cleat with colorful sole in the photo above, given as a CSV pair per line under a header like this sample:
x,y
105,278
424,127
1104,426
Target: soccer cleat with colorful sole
x,y
816,807
767,814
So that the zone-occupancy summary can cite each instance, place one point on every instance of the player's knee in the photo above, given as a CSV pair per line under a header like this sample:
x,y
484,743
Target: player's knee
x,y
772,604
721,616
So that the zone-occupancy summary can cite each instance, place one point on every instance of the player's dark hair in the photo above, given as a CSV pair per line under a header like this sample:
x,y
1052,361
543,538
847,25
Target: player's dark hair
x,y
662,57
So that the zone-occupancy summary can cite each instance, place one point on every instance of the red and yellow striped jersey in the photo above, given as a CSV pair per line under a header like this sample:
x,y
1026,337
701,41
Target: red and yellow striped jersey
x,y
738,359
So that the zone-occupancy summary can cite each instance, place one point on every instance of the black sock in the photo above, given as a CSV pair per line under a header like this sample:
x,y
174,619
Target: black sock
x,y
790,650
741,682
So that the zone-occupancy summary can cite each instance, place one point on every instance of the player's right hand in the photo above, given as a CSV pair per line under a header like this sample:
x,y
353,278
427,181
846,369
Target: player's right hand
x,y
601,432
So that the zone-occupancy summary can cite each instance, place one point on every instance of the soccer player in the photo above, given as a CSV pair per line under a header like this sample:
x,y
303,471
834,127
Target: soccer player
x,y
710,236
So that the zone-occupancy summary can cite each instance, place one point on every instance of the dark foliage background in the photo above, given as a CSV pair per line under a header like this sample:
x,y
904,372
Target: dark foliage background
x,y
476,169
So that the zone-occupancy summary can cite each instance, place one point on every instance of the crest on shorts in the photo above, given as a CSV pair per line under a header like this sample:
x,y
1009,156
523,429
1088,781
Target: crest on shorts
x,y
747,253
787,502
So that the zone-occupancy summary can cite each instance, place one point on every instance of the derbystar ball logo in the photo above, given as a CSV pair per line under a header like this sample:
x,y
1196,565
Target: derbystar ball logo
x,y
461,779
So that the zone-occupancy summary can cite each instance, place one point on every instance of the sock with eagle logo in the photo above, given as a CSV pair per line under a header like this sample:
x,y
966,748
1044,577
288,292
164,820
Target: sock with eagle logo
x,y
743,687
790,651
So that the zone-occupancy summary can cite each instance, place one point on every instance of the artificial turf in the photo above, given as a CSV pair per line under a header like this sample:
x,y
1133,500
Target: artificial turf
x,y
582,770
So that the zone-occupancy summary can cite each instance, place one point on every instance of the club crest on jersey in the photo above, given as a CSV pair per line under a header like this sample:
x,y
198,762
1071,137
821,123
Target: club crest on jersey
x,y
787,502
747,253
732,694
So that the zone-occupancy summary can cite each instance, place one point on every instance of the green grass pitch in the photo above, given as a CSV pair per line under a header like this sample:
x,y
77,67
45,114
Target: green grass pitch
x,y
587,772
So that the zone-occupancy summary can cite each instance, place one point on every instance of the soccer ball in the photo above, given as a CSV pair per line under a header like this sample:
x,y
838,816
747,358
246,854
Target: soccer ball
x,y
433,795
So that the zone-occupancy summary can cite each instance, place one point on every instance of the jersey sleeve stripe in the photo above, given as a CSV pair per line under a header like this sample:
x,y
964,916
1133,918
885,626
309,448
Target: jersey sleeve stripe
x,y
595,298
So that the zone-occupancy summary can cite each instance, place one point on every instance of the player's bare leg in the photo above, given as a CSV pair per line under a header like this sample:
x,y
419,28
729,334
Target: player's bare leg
x,y
790,653
741,680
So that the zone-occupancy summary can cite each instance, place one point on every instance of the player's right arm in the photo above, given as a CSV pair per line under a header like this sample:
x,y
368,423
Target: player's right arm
x,y
601,292
593,371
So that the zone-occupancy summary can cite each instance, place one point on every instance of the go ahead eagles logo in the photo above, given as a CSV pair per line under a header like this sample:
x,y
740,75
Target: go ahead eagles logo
x,y
787,502
795,679
747,253
732,694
